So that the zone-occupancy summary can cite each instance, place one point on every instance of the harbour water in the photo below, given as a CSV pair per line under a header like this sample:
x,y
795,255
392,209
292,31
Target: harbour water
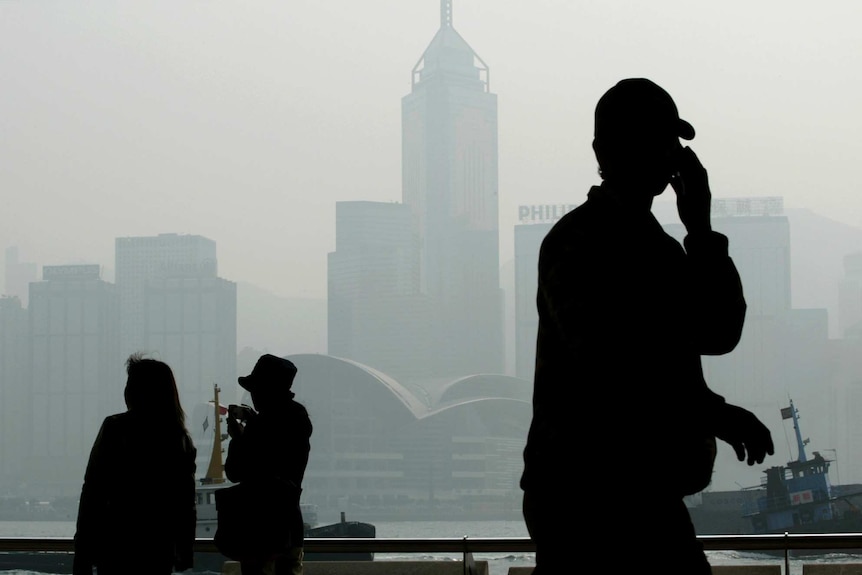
x,y
499,563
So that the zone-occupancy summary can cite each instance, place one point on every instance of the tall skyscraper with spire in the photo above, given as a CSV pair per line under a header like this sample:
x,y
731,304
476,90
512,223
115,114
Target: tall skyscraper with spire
x,y
449,182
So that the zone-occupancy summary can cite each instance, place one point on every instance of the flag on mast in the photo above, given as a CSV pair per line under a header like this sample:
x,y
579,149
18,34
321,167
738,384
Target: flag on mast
x,y
786,412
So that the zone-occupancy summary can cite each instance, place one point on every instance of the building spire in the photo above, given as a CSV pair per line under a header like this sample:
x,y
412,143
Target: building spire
x,y
448,55
445,13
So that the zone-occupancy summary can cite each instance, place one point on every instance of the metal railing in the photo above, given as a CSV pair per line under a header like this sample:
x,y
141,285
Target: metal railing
x,y
786,544
778,542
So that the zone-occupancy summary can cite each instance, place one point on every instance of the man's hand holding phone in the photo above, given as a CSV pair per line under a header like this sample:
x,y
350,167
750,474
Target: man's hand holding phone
x,y
693,198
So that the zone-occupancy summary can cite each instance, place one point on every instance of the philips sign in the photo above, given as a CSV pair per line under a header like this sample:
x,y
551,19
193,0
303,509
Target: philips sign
x,y
543,214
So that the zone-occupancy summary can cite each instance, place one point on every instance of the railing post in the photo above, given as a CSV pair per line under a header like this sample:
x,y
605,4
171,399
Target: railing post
x,y
786,554
468,562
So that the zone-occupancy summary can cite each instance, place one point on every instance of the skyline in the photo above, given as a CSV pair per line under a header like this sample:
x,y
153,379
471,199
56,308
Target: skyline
x,y
814,284
247,127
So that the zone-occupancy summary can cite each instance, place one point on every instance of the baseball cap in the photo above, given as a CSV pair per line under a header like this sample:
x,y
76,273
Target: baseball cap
x,y
635,105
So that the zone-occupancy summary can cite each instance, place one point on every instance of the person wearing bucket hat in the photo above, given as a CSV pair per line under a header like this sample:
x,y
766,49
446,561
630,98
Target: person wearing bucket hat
x,y
625,313
270,370
273,441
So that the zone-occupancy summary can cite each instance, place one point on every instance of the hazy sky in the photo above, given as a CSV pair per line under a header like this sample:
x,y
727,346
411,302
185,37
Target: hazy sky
x,y
246,121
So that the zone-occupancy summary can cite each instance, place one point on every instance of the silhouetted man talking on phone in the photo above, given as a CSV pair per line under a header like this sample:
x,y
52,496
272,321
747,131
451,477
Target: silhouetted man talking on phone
x,y
624,425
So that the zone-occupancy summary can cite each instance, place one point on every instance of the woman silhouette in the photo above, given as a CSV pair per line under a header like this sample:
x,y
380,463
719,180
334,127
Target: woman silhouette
x,y
137,510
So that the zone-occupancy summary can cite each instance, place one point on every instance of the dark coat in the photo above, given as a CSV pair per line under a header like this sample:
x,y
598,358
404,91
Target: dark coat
x,y
275,443
625,313
137,509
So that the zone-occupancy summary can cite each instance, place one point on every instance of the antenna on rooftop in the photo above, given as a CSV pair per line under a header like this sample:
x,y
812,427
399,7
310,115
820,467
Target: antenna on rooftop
x,y
445,13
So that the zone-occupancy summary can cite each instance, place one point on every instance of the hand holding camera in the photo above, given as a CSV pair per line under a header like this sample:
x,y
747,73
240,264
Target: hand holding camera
x,y
240,412
237,416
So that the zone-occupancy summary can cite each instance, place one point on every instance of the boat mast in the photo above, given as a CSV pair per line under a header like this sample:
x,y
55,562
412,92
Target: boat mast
x,y
215,472
800,444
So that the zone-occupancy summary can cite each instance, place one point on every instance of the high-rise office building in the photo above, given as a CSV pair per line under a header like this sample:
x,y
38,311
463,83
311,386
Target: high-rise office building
x,y
76,374
174,307
18,275
449,181
190,323
14,389
376,313
850,297
138,260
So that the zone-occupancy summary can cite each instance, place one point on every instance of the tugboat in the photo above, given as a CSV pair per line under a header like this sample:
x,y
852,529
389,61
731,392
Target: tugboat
x,y
214,480
799,497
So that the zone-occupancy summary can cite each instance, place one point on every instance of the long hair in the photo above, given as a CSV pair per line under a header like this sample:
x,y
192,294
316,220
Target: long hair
x,y
151,388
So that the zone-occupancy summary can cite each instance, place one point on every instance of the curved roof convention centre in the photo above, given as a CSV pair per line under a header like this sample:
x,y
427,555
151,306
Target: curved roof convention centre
x,y
323,376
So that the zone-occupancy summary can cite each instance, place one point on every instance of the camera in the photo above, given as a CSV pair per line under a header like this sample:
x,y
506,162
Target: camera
x,y
240,412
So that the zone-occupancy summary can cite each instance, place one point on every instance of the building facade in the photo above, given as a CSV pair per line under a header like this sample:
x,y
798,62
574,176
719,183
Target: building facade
x,y
174,307
376,313
18,275
138,260
850,297
190,323
76,372
14,391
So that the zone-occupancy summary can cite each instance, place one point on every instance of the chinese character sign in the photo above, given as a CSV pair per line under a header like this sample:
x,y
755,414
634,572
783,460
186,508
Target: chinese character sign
x,y
801,497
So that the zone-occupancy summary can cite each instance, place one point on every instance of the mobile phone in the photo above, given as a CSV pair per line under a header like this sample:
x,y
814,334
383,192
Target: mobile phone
x,y
676,170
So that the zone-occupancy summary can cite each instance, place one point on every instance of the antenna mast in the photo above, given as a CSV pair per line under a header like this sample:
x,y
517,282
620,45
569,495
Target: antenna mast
x,y
445,13
800,443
